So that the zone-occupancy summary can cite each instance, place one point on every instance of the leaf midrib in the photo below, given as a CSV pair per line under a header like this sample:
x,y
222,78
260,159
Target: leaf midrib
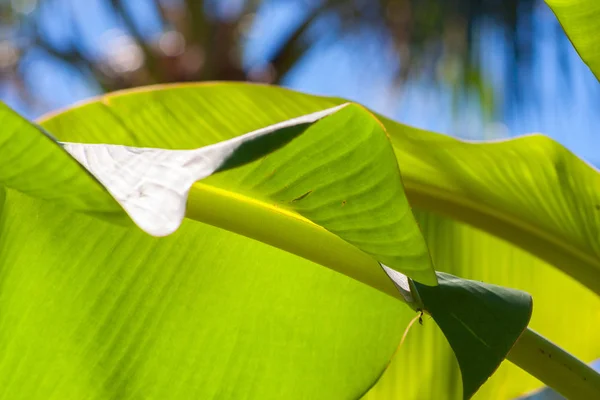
x,y
285,230
563,254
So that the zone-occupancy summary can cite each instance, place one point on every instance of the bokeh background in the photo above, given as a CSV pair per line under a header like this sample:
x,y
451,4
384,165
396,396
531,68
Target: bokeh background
x,y
469,68
474,69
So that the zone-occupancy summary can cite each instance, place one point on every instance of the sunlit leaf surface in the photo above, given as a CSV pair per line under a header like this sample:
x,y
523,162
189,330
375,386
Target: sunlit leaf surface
x,y
125,322
581,21
96,310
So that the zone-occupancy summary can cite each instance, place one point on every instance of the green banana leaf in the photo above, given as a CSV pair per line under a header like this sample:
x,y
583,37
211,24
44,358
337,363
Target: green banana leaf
x,y
353,174
581,21
94,310
92,123
501,187
91,309
341,174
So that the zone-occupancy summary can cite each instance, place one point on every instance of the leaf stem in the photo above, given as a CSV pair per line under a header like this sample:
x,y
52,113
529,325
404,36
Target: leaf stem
x,y
555,367
285,230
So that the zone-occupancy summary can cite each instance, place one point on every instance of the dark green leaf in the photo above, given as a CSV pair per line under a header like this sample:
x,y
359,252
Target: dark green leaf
x,y
481,322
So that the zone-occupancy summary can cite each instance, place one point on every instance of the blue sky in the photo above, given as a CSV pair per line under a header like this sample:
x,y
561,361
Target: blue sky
x,y
361,68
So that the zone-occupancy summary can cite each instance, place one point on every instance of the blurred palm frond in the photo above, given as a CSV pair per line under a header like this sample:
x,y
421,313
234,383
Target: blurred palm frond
x,y
435,40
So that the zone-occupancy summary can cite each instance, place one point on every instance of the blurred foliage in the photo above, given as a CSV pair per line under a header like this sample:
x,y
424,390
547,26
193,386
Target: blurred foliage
x,y
438,40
